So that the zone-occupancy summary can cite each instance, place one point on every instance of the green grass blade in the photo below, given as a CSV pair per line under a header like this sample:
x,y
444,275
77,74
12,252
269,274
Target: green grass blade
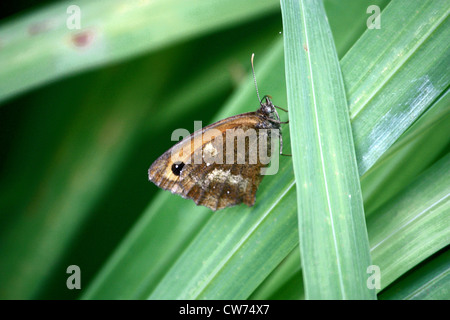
x,y
76,151
291,289
411,44
271,83
429,136
276,285
432,126
408,229
412,226
117,274
333,237
194,277
225,248
348,21
79,159
238,227
64,189
39,47
117,280
429,281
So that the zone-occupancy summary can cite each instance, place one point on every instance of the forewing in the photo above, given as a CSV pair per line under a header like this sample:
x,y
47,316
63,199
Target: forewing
x,y
207,177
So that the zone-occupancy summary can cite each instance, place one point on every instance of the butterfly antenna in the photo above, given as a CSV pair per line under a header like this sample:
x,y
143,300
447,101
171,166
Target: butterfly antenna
x,y
254,78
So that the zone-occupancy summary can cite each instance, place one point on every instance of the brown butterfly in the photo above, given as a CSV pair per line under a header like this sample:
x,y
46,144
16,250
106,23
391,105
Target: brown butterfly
x,y
220,165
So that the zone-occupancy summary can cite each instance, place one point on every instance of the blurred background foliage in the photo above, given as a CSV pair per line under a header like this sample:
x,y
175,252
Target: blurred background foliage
x,y
81,124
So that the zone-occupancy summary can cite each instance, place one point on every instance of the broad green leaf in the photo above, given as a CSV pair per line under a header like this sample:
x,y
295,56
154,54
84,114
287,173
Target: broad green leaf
x,y
49,196
227,239
428,137
284,282
125,282
45,45
430,129
414,225
333,238
57,209
411,44
70,182
405,231
197,289
348,20
429,281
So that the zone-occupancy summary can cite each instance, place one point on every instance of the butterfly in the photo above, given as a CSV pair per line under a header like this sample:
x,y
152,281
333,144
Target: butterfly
x,y
218,166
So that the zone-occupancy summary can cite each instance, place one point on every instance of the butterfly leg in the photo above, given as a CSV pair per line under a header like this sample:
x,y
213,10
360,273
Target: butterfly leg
x,y
280,135
281,144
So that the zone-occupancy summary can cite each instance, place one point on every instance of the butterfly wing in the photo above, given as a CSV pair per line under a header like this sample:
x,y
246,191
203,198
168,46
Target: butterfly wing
x,y
206,176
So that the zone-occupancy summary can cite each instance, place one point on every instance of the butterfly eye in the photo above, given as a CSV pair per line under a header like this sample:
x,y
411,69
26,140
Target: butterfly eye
x,y
267,109
177,167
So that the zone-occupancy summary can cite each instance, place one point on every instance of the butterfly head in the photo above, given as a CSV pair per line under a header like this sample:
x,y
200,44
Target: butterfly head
x,y
267,109
266,106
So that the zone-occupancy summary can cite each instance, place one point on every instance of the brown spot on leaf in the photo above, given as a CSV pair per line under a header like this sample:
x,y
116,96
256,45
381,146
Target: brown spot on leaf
x,y
82,39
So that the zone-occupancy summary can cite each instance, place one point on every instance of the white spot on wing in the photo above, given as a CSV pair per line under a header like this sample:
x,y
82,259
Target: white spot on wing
x,y
225,176
210,150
